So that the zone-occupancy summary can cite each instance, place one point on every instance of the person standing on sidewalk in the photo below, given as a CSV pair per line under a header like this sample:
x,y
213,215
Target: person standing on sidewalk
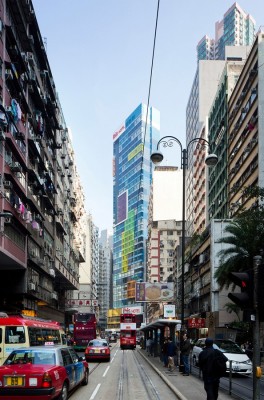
x,y
165,353
185,354
206,363
149,346
171,352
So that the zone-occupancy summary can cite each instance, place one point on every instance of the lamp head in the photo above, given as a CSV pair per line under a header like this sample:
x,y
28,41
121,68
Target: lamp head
x,y
156,157
211,160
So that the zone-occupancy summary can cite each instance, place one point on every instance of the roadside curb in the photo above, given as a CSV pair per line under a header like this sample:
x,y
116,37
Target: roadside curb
x,y
179,395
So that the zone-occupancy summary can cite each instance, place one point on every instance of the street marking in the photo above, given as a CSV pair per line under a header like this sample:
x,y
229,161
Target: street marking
x,y
95,391
106,371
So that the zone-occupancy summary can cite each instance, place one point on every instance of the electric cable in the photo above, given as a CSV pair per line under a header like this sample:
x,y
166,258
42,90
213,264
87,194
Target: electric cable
x,y
146,121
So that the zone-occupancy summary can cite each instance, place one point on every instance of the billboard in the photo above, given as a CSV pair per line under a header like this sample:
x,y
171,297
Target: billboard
x,y
154,292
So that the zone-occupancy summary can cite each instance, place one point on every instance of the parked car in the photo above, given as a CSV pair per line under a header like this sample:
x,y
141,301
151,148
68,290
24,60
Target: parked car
x,y
98,349
241,364
45,372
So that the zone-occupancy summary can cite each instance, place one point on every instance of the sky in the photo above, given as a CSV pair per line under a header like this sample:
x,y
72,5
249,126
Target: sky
x,y
100,54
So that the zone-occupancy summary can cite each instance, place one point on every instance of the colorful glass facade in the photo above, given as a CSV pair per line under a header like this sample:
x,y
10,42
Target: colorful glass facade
x,y
132,174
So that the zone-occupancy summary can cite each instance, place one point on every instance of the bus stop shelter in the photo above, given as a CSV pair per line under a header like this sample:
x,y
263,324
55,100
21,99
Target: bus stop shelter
x,y
159,330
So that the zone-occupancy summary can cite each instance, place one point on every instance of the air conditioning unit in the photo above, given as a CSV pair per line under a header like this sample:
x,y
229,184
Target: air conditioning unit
x,y
7,184
54,296
20,136
8,74
43,98
52,272
24,56
16,167
30,58
32,75
32,286
31,38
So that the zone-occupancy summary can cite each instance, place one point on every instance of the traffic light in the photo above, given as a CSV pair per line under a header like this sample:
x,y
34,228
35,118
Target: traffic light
x,y
245,280
260,292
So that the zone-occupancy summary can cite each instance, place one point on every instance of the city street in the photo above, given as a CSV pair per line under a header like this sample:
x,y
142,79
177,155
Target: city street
x,y
127,376
130,375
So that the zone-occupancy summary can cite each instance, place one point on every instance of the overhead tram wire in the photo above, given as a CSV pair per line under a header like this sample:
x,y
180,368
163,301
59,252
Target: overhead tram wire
x,y
146,121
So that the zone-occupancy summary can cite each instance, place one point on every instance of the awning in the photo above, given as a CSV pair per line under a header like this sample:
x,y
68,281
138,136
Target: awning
x,y
161,323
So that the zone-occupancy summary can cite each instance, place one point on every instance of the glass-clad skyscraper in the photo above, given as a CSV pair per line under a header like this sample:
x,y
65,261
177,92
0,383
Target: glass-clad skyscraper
x,y
132,173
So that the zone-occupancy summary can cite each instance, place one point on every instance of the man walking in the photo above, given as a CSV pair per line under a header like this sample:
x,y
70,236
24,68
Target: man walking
x,y
185,354
208,366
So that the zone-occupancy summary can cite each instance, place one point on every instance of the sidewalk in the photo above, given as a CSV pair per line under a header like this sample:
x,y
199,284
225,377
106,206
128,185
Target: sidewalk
x,y
184,387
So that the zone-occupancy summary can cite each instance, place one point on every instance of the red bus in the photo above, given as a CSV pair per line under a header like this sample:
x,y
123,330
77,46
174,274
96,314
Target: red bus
x,y
84,329
23,331
128,331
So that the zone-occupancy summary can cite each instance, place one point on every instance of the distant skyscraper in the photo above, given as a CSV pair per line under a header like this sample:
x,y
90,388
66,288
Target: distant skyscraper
x,y
132,171
105,274
235,29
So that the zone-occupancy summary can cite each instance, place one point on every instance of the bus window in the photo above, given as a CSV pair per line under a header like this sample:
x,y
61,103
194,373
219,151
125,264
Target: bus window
x,y
15,334
1,335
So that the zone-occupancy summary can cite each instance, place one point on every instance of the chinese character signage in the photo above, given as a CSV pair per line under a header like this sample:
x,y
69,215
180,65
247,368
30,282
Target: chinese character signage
x,y
132,310
81,303
196,323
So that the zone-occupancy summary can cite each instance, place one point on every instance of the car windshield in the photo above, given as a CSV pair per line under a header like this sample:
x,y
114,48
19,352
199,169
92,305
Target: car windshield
x,y
227,346
97,343
31,357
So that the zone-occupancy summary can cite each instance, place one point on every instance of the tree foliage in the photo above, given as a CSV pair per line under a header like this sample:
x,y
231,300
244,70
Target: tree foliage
x,y
244,239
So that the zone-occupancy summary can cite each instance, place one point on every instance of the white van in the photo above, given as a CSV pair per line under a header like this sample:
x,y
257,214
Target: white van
x,y
241,364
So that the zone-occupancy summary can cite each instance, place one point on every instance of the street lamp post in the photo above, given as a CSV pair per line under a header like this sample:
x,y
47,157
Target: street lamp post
x,y
156,158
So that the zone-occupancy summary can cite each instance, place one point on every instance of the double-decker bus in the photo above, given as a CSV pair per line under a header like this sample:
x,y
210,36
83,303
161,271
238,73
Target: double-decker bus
x,y
22,331
128,331
84,329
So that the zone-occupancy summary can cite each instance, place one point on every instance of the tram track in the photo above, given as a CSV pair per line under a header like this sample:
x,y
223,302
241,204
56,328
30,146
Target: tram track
x,y
134,380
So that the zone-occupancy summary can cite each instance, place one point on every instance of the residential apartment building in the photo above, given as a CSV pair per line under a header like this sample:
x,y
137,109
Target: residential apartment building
x,y
132,171
218,128
236,126
164,222
234,35
201,97
41,240
237,28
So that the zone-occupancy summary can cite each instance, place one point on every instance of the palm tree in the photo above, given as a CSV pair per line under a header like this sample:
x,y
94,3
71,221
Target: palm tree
x,y
244,239
233,308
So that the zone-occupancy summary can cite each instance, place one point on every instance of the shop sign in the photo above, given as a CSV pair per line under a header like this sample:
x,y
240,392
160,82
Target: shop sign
x,y
196,323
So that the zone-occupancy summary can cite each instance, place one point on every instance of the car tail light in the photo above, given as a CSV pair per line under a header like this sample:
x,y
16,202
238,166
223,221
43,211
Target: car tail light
x,y
46,380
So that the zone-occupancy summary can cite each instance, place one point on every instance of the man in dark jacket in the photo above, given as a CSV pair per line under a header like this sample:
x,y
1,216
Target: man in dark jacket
x,y
185,354
210,378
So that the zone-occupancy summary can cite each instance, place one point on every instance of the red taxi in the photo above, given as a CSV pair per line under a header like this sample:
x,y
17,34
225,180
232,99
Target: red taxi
x,y
42,373
98,349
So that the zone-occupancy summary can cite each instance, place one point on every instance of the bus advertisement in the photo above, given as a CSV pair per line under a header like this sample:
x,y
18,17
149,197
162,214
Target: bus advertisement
x,y
23,331
128,331
84,329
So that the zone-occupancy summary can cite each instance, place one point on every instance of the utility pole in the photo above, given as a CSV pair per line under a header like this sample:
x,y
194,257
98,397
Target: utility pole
x,y
256,336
